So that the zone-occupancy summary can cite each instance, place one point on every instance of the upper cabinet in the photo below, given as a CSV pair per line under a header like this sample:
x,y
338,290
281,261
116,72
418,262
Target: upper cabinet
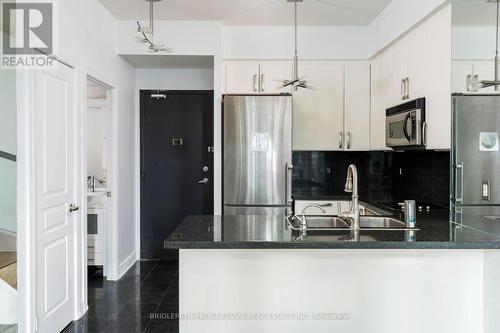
x,y
254,77
335,116
357,106
418,65
318,116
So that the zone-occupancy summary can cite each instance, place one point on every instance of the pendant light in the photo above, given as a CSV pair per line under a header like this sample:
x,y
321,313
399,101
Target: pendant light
x,y
147,33
296,82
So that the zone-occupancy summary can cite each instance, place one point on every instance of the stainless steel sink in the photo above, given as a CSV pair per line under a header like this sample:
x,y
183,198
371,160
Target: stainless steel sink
x,y
366,223
325,223
380,222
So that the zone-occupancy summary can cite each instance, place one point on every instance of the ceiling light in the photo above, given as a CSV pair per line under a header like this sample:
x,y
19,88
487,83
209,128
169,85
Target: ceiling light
x,y
147,33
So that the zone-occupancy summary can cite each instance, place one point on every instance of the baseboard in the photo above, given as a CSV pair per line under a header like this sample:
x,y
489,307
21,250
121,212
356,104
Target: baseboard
x,y
126,264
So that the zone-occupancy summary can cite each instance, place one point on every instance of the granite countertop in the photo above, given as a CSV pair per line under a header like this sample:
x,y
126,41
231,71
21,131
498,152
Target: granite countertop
x,y
272,232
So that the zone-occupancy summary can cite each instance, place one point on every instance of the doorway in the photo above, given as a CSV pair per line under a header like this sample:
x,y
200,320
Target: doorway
x,y
98,174
176,131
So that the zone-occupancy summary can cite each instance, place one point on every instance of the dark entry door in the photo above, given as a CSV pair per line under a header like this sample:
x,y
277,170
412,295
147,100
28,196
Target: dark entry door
x,y
176,164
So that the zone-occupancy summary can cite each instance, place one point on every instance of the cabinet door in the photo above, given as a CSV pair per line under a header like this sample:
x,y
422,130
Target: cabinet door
x,y
416,63
377,112
241,77
318,116
460,71
272,73
399,73
438,97
357,106
485,70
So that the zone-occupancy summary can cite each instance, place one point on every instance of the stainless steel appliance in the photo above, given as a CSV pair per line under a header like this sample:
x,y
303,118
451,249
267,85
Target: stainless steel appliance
x,y
257,154
475,162
405,125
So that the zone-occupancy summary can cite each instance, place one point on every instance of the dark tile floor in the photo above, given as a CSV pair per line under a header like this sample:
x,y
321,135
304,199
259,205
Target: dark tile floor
x,y
127,305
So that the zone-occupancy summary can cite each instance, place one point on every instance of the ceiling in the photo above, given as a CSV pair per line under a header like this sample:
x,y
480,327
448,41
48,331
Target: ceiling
x,y
253,12
169,61
473,13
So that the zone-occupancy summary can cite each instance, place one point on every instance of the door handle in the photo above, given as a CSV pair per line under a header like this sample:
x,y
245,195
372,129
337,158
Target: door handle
x,y
73,208
255,82
349,139
203,181
424,133
460,167
261,82
288,184
341,140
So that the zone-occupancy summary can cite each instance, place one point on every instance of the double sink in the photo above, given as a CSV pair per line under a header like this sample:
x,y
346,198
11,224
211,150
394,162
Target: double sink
x,y
369,220
325,223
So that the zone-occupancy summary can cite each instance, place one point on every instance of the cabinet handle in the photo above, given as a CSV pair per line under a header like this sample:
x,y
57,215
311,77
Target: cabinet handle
x,y
261,82
468,83
255,82
407,88
349,140
403,89
341,140
424,133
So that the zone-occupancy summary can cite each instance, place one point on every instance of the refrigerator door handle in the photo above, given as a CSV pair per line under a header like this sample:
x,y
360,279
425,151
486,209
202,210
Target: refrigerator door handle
x,y
288,183
460,167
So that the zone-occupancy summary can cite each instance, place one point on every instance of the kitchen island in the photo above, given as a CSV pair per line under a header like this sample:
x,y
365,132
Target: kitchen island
x,y
255,274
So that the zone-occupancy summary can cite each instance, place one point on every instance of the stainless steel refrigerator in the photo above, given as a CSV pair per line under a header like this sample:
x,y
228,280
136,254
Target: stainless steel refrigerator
x,y
475,162
257,154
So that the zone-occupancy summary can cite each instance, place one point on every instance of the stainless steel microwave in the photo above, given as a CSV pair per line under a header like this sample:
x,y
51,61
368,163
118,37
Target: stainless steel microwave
x,y
405,125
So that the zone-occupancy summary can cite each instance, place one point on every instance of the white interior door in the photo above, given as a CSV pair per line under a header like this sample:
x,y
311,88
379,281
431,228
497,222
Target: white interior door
x,y
55,191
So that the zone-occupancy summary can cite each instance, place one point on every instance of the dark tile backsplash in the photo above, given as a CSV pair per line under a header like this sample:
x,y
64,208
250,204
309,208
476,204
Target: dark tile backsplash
x,y
383,176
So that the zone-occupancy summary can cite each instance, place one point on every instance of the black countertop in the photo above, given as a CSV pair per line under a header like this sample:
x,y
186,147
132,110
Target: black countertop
x,y
272,232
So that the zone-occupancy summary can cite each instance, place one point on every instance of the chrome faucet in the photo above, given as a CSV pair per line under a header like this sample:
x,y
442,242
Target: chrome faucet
x,y
303,219
351,186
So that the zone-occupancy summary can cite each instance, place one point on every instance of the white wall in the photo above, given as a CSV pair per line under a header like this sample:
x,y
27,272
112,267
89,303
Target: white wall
x,y
473,43
398,18
175,79
278,42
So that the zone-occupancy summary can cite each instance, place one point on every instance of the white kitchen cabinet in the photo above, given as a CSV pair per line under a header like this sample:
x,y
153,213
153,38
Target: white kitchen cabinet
x,y
381,99
272,73
255,77
241,77
424,58
438,92
318,116
409,67
357,106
